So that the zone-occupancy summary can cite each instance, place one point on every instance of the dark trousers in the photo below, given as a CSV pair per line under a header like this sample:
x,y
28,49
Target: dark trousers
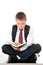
x,y
34,48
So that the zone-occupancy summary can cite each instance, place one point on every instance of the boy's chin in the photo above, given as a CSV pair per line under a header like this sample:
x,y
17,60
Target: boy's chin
x,y
20,28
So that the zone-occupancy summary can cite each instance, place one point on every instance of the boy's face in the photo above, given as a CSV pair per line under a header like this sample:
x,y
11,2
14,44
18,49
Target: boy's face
x,y
20,23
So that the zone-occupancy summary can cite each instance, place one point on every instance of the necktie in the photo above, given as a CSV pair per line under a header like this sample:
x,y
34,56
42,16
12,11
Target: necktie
x,y
20,36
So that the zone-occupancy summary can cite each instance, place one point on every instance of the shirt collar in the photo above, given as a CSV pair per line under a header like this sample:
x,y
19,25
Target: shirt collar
x,y
23,28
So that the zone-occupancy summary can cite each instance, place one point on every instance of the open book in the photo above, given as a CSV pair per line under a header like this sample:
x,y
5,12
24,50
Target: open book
x,y
16,45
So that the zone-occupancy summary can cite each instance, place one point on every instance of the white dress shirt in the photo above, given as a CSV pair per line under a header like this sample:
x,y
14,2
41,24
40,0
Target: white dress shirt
x,y
30,38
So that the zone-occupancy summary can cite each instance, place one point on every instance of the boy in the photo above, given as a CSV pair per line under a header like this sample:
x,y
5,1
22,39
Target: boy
x,y
22,33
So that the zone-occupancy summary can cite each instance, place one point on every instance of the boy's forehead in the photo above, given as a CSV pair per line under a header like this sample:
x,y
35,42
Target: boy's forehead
x,y
21,21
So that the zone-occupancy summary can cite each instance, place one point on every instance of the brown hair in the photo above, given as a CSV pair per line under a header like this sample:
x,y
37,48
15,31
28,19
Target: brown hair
x,y
21,15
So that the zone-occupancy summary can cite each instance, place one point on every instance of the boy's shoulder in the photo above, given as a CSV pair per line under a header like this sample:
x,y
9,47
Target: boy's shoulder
x,y
25,25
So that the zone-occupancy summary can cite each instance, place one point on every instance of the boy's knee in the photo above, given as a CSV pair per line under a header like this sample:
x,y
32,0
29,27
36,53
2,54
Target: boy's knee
x,y
3,48
38,47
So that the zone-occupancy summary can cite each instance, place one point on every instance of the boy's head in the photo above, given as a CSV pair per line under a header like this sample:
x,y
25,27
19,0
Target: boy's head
x,y
21,19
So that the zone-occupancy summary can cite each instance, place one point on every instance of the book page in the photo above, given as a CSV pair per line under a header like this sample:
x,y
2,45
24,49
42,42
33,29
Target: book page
x,y
16,45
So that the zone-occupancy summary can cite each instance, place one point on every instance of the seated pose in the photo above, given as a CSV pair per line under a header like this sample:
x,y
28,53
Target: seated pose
x,y
22,33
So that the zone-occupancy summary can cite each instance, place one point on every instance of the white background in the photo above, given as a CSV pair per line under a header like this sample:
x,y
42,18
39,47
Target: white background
x,y
34,11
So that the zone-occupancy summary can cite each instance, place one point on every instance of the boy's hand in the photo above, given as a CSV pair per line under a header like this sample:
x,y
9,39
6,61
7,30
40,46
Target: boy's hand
x,y
18,49
16,44
15,48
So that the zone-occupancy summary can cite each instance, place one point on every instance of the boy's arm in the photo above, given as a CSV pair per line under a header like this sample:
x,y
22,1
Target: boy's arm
x,y
30,40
